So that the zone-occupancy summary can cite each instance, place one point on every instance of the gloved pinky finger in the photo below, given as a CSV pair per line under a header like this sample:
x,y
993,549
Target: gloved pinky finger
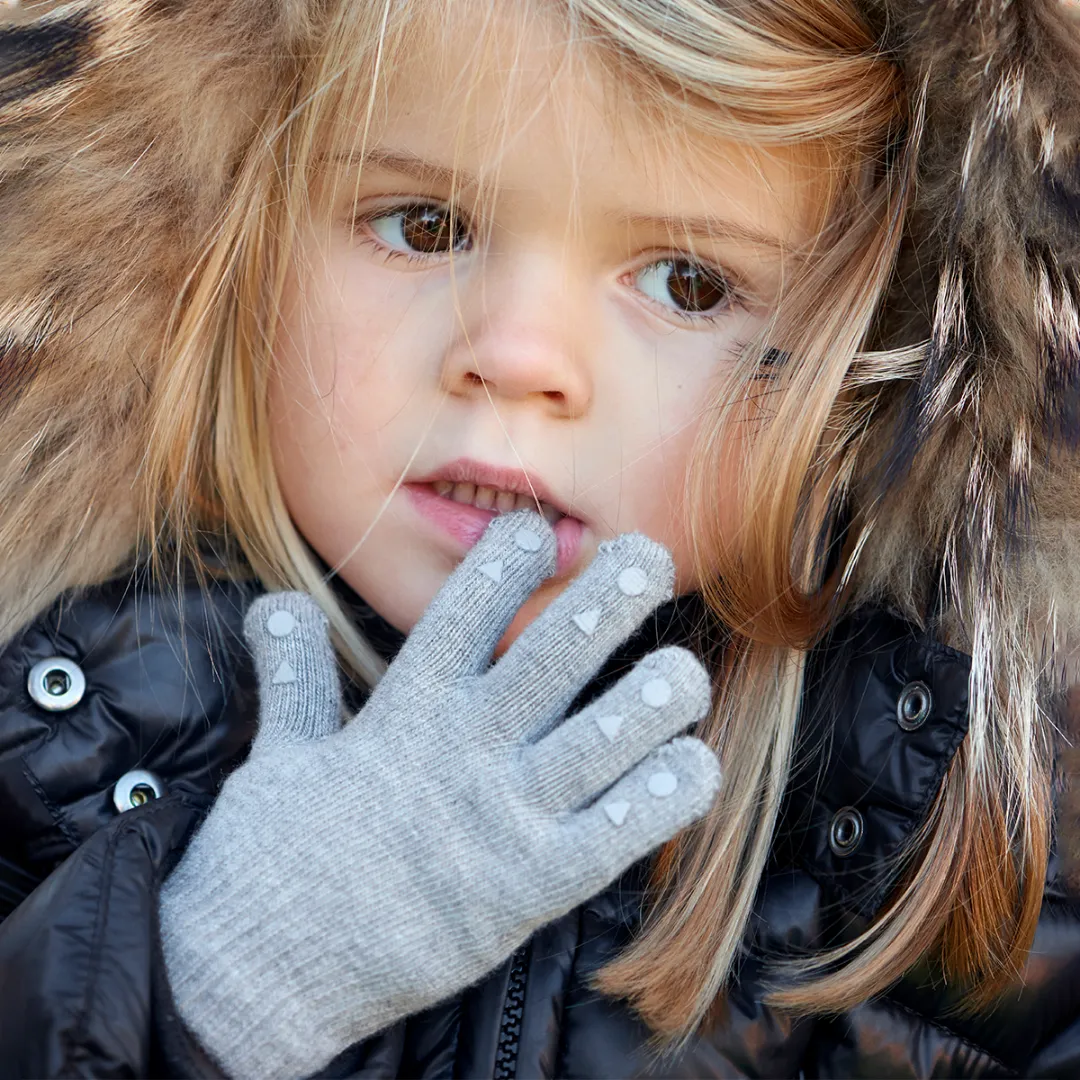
x,y
299,690
669,790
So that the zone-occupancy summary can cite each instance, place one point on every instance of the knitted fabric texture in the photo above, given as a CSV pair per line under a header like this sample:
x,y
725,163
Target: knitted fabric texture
x,y
347,877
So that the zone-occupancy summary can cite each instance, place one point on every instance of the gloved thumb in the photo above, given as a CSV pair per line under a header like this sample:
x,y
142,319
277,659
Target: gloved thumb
x,y
299,690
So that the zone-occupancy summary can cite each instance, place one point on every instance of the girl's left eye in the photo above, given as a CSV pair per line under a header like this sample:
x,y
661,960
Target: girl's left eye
x,y
422,229
685,287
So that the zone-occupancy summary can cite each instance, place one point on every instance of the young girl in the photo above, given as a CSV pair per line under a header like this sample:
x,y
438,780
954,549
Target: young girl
x,y
670,409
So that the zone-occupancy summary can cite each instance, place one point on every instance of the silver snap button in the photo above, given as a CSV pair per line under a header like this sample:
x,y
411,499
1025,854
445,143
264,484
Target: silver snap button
x,y
845,831
913,706
56,684
135,789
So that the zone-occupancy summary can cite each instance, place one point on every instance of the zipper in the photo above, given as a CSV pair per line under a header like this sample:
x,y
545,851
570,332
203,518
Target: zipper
x,y
506,1053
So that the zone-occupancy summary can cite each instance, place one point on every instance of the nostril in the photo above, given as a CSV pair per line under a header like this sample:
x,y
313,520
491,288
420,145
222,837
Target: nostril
x,y
555,395
473,378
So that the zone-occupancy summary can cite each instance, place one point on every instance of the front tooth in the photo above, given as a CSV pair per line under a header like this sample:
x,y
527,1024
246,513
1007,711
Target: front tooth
x,y
524,502
551,515
443,487
504,501
463,493
485,498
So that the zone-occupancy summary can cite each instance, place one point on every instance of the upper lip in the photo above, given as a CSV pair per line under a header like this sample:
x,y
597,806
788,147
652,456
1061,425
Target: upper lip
x,y
517,481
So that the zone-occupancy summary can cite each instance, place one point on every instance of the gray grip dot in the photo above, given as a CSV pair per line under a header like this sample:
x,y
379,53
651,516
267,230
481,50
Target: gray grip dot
x,y
663,784
633,581
609,725
527,540
656,693
281,623
492,570
617,811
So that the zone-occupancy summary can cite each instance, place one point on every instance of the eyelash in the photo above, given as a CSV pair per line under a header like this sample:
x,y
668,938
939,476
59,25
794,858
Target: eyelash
x,y
361,226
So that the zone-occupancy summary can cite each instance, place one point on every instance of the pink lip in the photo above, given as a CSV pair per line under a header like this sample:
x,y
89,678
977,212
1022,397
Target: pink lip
x,y
466,524
470,471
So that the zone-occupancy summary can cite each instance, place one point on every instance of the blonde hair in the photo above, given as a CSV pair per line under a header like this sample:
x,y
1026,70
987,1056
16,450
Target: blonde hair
x,y
766,73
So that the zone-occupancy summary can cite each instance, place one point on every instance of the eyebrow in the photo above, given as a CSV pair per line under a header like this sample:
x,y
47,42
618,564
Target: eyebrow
x,y
707,226
426,172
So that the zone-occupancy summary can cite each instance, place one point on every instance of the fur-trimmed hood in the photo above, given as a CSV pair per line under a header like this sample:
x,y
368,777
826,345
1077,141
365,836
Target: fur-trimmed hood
x,y
122,123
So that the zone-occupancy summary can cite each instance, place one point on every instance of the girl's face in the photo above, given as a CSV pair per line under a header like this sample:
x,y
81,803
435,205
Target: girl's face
x,y
555,335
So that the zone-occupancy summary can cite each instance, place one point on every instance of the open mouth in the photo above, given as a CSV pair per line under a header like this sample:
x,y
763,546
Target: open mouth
x,y
489,498
463,510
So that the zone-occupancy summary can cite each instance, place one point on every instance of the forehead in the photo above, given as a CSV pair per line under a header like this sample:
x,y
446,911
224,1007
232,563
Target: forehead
x,y
508,95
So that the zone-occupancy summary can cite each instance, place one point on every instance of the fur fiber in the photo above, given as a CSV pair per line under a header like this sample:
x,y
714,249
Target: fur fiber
x,y
122,123
971,477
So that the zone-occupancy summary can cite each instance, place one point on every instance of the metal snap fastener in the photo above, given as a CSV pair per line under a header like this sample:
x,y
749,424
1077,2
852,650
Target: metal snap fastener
x,y
845,831
135,789
56,684
913,706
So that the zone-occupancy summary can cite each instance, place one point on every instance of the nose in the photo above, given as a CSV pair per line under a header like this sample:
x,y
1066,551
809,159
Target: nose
x,y
523,336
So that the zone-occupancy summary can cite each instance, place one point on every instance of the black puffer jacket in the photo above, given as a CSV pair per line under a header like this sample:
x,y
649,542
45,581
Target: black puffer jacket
x,y
83,992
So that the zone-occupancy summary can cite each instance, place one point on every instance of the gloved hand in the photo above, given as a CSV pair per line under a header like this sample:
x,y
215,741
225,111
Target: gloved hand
x,y
346,878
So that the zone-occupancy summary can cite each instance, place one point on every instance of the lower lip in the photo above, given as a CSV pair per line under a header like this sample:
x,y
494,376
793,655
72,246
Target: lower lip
x,y
466,524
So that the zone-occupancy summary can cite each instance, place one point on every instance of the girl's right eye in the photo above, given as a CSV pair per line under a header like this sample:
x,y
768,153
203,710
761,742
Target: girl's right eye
x,y
420,229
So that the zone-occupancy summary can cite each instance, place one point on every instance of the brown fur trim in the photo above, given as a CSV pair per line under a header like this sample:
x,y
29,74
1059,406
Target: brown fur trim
x,y
122,123
970,470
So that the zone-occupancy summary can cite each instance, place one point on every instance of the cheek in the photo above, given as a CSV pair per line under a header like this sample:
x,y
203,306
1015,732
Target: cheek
x,y
654,438
357,365
362,344
656,489
349,387
670,410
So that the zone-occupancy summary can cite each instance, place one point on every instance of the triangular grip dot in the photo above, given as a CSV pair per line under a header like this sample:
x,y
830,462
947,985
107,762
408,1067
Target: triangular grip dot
x,y
493,570
285,673
609,725
588,621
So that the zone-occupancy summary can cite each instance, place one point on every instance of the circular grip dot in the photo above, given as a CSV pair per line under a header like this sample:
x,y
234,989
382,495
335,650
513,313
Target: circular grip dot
x,y
632,581
527,540
663,784
656,693
280,623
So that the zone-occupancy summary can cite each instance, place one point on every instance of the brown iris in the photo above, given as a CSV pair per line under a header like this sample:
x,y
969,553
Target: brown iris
x,y
693,288
432,230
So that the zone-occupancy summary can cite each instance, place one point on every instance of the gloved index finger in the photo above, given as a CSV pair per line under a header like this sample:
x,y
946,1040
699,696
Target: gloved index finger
x,y
458,633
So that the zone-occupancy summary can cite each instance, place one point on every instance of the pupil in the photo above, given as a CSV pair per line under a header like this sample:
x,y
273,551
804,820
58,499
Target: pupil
x,y
695,290
430,230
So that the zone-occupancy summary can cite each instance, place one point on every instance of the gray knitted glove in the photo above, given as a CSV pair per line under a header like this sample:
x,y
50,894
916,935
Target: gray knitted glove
x,y
346,878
